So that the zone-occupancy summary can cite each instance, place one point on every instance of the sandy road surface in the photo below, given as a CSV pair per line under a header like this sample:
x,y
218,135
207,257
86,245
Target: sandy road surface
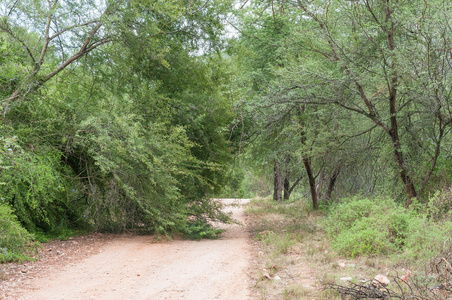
x,y
136,268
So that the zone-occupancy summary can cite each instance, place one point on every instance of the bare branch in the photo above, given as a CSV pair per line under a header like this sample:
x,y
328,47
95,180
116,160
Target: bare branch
x,y
46,36
243,5
72,27
12,8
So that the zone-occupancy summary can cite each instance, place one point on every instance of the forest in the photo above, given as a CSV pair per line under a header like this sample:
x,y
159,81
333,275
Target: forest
x,y
126,114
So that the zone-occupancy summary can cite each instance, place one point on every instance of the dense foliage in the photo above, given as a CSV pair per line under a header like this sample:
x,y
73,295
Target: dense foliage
x,y
15,242
113,119
131,113
351,96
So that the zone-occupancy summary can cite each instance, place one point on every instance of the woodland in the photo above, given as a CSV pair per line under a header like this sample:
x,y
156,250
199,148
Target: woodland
x,y
126,114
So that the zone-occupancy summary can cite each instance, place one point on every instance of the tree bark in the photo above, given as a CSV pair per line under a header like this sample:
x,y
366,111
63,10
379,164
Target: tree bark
x,y
286,177
295,184
275,181
394,131
307,165
286,188
332,182
319,185
278,183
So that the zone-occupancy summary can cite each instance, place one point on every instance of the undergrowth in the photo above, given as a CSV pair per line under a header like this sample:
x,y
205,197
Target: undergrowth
x,y
357,238
16,243
417,237
364,226
281,231
197,230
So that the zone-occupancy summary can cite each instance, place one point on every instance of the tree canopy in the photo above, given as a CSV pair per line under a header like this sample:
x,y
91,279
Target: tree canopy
x,y
378,70
134,113
114,113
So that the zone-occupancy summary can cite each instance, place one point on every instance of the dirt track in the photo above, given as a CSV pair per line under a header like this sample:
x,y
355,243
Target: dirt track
x,y
135,267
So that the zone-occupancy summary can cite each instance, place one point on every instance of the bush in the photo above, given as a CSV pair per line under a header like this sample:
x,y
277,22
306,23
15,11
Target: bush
x,y
440,205
15,241
342,216
425,238
361,226
35,184
198,230
362,238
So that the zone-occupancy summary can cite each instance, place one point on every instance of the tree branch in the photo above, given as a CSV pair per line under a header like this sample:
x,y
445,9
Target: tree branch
x,y
434,158
76,56
7,29
72,27
46,37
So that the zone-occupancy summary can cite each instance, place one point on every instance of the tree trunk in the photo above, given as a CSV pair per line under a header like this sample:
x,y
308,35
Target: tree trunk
x,y
319,185
278,183
286,188
294,185
406,178
286,177
394,131
332,182
307,165
275,181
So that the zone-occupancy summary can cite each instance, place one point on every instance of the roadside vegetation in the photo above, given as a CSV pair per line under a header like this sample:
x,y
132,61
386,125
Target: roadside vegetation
x,y
346,114
135,114
16,244
337,251
114,116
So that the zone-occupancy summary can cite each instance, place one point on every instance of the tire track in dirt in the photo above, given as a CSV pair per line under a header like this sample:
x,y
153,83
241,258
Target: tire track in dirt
x,y
134,267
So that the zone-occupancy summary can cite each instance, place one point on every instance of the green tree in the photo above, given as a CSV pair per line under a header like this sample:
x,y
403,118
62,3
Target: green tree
x,y
136,129
287,132
384,61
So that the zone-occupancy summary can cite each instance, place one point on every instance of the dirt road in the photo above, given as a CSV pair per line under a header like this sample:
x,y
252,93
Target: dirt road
x,y
135,267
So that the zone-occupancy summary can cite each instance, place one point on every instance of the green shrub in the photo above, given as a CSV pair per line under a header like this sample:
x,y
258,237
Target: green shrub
x,y
36,185
15,241
343,215
362,239
361,226
198,230
439,206
425,238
